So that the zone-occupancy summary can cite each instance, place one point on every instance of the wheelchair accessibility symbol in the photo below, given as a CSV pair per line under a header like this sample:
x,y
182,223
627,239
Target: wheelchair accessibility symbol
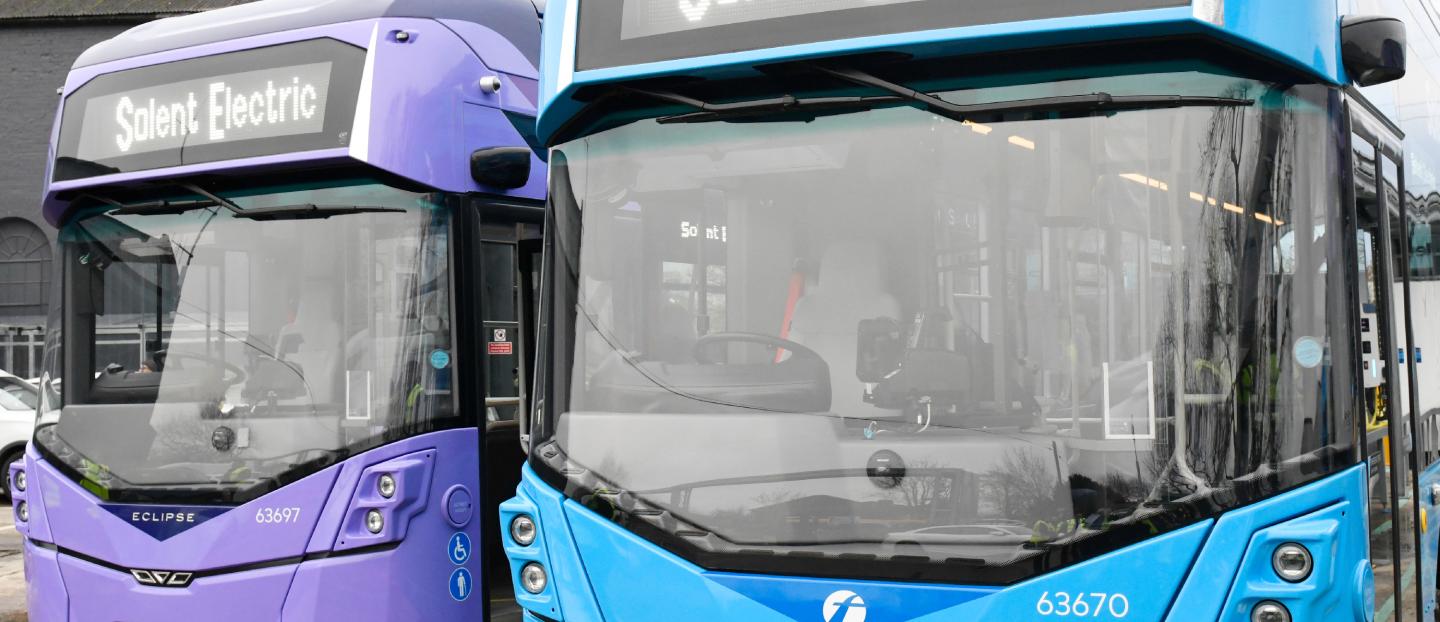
x,y
459,548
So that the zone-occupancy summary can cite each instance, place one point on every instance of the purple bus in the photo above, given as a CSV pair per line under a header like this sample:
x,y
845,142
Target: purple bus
x,y
285,354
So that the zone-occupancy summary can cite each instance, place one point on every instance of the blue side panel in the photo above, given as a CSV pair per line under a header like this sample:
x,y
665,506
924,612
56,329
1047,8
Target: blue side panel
x,y
569,585
1338,540
1306,32
552,39
1220,561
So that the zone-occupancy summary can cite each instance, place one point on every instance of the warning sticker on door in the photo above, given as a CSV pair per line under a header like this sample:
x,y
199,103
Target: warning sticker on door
x,y
502,347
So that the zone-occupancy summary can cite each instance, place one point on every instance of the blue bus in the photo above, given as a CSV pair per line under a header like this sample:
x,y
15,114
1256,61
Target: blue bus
x,y
283,365
1028,310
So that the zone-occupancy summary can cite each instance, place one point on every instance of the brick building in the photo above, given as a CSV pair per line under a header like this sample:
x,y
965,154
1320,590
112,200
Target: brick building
x,y
39,39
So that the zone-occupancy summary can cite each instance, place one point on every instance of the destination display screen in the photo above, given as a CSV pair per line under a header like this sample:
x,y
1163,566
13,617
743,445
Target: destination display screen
x,y
644,18
628,32
281,99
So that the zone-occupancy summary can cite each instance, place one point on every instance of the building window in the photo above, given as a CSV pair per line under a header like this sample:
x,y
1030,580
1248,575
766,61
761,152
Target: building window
x,y
24,271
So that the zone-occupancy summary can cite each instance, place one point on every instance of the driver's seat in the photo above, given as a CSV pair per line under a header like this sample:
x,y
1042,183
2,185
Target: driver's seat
x,y
850,288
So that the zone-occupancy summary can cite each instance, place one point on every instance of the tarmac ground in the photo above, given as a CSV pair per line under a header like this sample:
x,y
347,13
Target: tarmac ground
x,y
12,569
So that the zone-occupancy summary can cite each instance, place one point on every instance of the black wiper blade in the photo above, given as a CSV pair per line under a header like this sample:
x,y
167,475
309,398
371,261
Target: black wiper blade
x,y
708,111
162,207
1091,102
150,208
304,211
815,106
299,211
812,106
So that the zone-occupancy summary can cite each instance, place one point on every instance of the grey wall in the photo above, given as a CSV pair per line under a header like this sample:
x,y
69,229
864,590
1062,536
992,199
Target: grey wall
x,y
34,60
33,63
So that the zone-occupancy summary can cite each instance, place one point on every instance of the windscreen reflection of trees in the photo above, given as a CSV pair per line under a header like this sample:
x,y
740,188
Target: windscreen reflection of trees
x,y
1161,261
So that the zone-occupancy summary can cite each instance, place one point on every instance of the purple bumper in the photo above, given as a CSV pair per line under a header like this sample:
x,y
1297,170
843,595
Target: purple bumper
x,y
81,557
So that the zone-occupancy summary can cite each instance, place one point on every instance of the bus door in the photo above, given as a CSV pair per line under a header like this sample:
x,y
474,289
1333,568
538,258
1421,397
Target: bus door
x,y
1385,331
499,241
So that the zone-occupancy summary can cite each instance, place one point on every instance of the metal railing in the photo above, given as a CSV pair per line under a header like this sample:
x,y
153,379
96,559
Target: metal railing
x,y
21,349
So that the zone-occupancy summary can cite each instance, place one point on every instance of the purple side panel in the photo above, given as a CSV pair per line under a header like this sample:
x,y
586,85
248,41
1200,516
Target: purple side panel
x,y
38,527
488,127
44,587
103,594
412,581
464,441
497,52
412,490
79,524
411,127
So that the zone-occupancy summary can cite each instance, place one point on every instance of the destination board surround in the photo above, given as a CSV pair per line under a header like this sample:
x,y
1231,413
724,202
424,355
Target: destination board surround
x,y
274,100
629,32
243,106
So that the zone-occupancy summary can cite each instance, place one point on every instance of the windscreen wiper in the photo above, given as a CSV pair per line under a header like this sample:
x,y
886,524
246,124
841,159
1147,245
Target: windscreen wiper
x,y
299,211
161,207
279,212
148,208
165,207
759,107
308,210
1089,102
1099,101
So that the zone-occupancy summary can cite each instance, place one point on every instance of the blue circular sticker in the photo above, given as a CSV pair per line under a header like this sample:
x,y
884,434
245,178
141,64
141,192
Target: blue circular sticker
x,y
439,359
1308,352
461,584
459,548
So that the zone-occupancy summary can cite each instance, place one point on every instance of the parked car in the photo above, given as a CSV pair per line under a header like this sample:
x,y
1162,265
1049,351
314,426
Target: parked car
x,y
18,400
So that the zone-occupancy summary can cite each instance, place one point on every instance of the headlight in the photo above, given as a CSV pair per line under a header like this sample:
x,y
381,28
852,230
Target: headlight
x,y
20,481
374,521
1270,611
22,512
1292,562
532,578
386,485
522,530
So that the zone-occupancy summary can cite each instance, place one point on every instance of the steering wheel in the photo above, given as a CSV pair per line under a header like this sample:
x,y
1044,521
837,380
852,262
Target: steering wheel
x,y
699,350
236,374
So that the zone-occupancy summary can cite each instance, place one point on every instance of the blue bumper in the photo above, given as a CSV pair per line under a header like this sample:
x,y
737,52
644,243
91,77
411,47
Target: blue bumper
x,y
1216,569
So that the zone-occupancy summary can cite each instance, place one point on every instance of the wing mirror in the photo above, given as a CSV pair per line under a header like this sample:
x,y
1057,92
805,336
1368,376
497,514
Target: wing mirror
x,y
1373,48
501,167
